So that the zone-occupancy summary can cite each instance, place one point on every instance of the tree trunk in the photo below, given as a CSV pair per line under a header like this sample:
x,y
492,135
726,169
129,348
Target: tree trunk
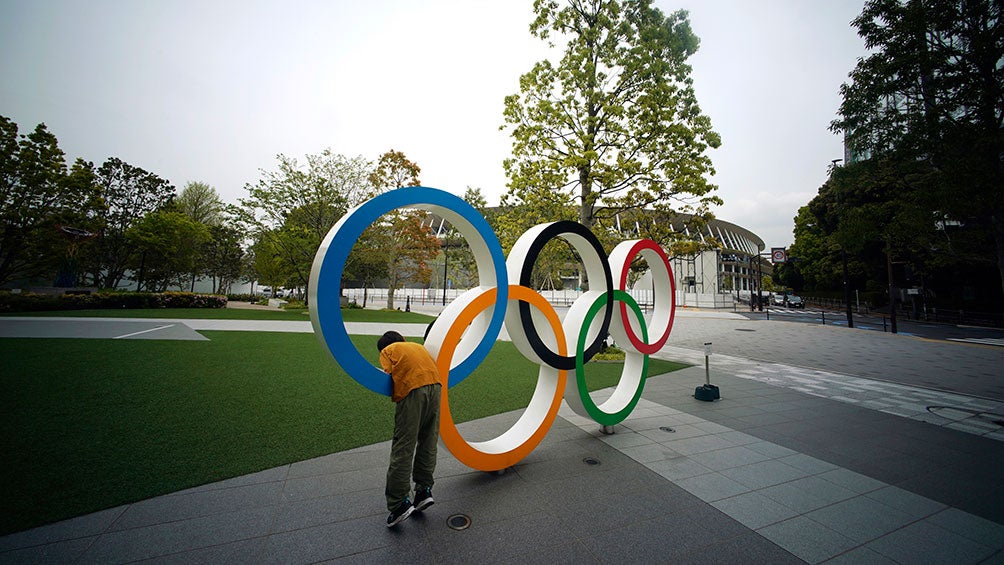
x,y
585,214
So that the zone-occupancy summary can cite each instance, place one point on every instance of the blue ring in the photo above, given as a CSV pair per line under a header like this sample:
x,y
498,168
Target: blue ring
x,y
326,310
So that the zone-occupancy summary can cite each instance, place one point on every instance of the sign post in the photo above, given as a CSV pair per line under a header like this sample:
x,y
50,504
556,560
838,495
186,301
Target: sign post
x,y
707,392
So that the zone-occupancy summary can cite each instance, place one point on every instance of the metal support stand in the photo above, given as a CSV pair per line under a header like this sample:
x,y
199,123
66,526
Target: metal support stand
x,y
607,430
707,392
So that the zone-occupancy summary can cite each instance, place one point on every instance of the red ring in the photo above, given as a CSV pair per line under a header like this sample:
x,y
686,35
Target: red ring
x,y
640,345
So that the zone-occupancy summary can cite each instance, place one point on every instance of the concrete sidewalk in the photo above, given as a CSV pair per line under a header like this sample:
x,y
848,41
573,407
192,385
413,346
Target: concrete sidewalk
x,y
794,464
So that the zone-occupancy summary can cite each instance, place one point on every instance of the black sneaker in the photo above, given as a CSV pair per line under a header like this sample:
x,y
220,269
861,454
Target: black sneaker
x,y
423,498
400,514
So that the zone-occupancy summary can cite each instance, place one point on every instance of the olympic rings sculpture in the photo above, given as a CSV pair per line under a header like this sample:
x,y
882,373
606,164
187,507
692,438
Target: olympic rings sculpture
x,y
465,331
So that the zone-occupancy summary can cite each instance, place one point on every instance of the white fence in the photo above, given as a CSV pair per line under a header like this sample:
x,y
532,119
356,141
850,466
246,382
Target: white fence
x,y
377,297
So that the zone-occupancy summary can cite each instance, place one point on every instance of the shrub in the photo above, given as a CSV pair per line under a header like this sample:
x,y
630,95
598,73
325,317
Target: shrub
x,y
609,353
29,302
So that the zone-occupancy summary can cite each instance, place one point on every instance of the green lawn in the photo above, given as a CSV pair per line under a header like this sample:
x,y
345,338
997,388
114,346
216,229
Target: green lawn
x,y
89,424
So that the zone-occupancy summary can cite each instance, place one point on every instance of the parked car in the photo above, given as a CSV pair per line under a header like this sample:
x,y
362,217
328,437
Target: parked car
x,y
795,301
777,299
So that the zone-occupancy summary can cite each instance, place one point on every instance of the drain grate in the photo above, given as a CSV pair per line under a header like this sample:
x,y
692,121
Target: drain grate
x,y
458,522
744,330
591,461
667,429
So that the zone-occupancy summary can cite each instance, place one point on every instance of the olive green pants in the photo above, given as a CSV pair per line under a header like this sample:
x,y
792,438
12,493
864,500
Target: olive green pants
x,y
416,437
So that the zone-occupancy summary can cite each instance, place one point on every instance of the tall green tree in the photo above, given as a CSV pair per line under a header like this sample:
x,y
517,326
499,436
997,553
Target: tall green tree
x,y
268,266
77,223
615,124
32,169
130,193
290,210
200,202
932,91
221,257
168,246
402,239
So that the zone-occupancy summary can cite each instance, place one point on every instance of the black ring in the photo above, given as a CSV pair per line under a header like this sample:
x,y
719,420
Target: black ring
x,y
553,230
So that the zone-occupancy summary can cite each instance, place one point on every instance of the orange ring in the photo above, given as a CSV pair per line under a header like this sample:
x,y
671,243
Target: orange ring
x,y
509,448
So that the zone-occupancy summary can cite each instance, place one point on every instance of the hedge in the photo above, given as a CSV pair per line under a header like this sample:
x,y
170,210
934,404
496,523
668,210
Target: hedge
x,y
29,302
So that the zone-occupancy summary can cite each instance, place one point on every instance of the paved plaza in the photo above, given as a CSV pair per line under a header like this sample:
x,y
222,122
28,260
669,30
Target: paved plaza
x,y
828,445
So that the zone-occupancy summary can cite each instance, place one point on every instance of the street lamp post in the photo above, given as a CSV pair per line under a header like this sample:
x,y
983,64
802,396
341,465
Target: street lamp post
x,y
759,282
446,264
843,257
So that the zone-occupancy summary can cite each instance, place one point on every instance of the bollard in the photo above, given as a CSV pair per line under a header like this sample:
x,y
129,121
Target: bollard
x,y
883,324
824,317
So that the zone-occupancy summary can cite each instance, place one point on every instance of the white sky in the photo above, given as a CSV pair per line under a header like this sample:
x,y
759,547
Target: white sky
x,y
211,91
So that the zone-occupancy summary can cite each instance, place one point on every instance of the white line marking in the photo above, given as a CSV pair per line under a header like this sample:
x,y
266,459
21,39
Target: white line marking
x,y
982,340
144,331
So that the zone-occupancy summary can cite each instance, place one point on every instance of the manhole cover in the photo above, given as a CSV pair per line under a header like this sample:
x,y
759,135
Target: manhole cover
x,y
591,461
458,522
744,330
667,429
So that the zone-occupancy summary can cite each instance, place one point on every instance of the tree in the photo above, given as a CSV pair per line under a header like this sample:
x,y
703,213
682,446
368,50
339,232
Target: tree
x,y
394,170
402,239
616,124
168,246
222,258
457,254
411,246
932,91
201,203
517,215
365,263
807,254
268,266
294,207
130,194
32,168
77,223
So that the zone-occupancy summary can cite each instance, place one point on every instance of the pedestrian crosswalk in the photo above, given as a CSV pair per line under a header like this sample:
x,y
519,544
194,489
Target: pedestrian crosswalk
x,y
783,310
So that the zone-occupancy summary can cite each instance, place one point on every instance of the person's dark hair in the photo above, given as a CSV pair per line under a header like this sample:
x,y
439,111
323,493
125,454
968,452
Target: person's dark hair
x,y
388,338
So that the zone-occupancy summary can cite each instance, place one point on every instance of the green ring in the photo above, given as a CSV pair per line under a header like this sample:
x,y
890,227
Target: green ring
x,y
601,417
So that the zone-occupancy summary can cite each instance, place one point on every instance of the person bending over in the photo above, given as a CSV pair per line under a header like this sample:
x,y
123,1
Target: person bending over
x,y
416,390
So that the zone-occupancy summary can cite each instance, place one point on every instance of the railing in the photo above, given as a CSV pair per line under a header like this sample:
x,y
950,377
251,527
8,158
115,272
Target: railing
x,y
558,298
920,314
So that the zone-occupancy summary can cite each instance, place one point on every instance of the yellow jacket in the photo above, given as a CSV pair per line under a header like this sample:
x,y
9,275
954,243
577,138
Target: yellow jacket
x,y
410,366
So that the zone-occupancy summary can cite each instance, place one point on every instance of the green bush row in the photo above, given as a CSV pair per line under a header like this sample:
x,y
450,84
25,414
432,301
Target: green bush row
x,y
29,302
